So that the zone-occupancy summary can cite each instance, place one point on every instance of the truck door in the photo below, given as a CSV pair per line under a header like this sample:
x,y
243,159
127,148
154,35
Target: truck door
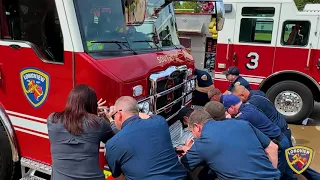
x,y
36,72
296,40
255,39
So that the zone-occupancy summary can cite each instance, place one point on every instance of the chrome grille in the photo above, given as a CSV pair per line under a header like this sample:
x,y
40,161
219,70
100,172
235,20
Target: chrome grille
x,y
168,90
170,97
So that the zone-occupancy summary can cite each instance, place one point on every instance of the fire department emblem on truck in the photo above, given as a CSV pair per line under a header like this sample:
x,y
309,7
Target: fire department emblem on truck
x,y
299,158
35,85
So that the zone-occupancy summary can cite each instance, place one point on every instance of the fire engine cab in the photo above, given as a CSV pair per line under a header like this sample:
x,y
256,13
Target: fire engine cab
x,y
276,48
49,46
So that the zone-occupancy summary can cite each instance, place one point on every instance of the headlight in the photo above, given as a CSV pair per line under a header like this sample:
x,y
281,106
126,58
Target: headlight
x,y
145,107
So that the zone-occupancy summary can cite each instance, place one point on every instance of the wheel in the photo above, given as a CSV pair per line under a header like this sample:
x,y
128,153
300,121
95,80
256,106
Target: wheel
x,y
7,166
292,99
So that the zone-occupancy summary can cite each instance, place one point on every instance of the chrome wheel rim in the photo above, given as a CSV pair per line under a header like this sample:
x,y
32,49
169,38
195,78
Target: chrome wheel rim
x,y
288,103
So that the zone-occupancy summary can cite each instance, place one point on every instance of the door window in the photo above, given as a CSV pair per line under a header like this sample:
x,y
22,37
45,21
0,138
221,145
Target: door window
x,y
295,33
256,25
36,22
258,11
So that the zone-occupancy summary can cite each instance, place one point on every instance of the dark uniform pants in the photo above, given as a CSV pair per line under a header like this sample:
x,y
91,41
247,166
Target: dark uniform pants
x,y
287,133
286,171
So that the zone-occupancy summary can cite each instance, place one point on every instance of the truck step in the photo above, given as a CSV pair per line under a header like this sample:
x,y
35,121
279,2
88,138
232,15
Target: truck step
x,y
32,178
35,165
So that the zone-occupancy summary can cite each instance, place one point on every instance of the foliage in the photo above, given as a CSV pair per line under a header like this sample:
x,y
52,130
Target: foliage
x,y
300,3
194,5
188,5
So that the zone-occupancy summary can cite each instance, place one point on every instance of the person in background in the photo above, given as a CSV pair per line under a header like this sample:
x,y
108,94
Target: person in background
x,y
179,131
183,115
233,76
142,149
214,94
75,135
250,113
203,84
260,101
232,149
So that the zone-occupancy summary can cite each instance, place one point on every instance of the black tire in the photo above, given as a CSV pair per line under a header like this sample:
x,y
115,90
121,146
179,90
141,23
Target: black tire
x,y
299,88
7,166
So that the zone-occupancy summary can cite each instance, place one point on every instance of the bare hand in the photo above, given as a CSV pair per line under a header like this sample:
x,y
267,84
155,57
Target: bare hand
x,y
228,115
101,102
189,142
110,112
185,149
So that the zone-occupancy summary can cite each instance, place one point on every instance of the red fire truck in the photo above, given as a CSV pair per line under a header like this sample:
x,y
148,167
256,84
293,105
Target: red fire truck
x,y
276,48
49,46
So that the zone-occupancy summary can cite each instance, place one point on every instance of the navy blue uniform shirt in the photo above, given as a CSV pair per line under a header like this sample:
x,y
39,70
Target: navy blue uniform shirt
x,y
264,105
142,150
199,98
250,113
233,149
257,92
240,81
204,79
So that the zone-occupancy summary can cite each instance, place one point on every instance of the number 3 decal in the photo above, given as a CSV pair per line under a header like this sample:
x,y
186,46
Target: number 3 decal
x,y
254,58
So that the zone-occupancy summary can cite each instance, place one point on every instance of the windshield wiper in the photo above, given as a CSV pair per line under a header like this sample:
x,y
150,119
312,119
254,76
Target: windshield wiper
x,y
113,42
134,52
150,41
119,45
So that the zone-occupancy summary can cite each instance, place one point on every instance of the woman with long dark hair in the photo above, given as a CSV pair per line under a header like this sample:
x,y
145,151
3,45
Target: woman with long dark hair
x,y
75,135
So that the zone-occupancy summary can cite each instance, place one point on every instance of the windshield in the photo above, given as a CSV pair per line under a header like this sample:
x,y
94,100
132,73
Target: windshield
x,y
103,29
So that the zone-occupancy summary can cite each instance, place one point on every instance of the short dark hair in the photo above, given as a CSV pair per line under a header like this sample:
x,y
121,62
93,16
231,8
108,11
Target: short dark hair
x,y
199,116
216,110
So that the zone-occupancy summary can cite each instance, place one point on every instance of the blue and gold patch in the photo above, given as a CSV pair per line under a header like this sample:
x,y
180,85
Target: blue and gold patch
x,y
35,84
299,158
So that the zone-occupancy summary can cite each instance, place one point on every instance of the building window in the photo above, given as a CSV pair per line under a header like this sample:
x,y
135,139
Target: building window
x,y
256,30
295,33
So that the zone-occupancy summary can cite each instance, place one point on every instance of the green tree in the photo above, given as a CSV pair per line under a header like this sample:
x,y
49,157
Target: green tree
x,y
300,3
188,5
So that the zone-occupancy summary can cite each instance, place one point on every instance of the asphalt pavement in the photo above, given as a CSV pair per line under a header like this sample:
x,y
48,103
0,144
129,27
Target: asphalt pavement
x,y
309,135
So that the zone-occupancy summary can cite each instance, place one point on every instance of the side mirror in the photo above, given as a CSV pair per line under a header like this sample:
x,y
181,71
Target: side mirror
x,y
134,11
214,7
220,15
